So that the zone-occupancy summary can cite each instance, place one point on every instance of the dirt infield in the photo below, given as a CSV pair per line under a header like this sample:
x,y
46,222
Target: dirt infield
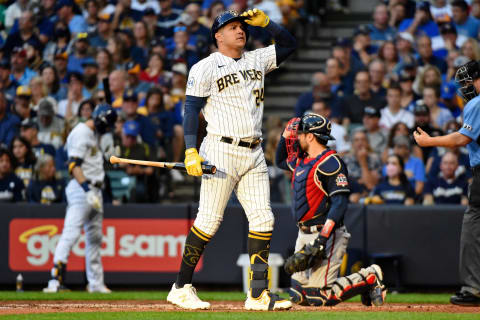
x,y
25,307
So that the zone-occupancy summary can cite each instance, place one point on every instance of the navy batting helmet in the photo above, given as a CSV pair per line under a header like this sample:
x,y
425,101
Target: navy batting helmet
x,y
314,123
225,18
104,117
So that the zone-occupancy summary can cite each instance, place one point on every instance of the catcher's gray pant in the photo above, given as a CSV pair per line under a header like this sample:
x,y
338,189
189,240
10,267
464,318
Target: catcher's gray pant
x,y
239,169
470,251
326,271
80,214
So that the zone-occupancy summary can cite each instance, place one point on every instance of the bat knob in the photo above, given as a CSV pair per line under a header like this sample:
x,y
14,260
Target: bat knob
x,y
113,160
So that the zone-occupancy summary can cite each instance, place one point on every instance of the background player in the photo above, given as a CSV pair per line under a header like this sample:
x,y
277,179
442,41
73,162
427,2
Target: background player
x,y
468,77
228,85
84,198
320,198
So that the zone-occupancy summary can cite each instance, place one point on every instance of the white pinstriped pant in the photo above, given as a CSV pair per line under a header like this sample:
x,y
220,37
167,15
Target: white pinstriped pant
x,y
325,271
81,215
239,169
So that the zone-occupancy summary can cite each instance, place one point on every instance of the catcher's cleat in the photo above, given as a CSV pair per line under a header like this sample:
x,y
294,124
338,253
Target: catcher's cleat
x,y
378,293
186,298
267,301
98,289
55,286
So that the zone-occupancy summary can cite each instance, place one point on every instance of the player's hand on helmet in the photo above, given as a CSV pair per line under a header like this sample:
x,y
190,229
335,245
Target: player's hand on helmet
x,y
256,17
193,162
94,200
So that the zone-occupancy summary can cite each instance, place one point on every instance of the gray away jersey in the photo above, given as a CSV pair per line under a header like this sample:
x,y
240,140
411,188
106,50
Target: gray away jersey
x,y
234,89
82,143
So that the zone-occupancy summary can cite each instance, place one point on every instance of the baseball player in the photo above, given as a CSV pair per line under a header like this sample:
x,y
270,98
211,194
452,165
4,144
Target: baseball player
x,y
320,198
84,198
228,87
468,77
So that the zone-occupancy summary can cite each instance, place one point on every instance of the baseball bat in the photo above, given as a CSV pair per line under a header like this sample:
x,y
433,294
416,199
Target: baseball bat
x,y
106,89
206,168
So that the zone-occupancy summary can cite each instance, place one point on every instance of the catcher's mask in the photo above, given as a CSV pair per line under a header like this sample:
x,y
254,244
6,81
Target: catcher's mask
x,y
291,142
465,76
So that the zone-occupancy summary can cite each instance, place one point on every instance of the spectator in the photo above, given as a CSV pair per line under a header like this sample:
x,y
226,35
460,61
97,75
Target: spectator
x,y
90,13
60,61
162,120
429,77
278,194
182,49
363,164
270,8
141,40
404,43
424,47
350,64
447,188
22,102
398,129
353,106
409,97
475,9
118,83
34,57
452,58
90,76
76,23
39,91
394,112
362,47
211,11
470,49
340,144
199,34
414,168
60,43
380,31
150,18
84,113
51,127
450,99
29,131
124,16
464,23
8,122
24,159
452,40
140,87
395,188
45,188
441,11
438,116
8,85
105,64
51,81
103,32
389,56
24,35
398,13
119,51
67,108
11,187
167,19
143,191
14,12
145,127
377,138
338,88
377,72
143,5
321,89
21,73
80,54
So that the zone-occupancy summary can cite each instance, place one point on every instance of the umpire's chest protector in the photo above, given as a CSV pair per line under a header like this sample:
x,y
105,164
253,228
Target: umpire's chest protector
x,y
309,197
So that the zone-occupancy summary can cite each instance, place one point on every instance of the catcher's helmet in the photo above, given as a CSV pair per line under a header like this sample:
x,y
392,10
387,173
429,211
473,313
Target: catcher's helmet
x,y
104,117
314,123
465,76
225,18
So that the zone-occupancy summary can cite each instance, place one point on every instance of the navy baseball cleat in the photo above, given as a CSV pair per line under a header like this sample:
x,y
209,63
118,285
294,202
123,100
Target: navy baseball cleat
x,y
464,298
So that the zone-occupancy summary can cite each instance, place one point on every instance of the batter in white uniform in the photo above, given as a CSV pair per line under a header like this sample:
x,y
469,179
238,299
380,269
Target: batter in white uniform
x,y
228,86
84,197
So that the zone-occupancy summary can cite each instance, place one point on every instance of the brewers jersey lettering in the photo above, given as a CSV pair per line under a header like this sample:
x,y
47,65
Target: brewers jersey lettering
x,y
235,91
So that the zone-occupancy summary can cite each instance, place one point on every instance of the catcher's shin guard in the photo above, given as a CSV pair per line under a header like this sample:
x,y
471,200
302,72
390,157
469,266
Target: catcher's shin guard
x,y
367,282
296,293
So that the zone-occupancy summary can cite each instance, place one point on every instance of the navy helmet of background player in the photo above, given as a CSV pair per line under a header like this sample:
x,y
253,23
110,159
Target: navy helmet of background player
x,y
104,117
468,77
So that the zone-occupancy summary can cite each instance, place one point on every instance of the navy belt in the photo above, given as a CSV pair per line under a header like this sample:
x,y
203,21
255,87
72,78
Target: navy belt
x,y
241,143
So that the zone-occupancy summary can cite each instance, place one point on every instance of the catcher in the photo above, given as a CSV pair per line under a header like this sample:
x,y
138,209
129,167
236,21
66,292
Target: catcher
x,y
320,196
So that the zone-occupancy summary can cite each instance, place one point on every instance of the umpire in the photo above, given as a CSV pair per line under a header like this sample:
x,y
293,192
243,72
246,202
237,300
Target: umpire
x,y
468,77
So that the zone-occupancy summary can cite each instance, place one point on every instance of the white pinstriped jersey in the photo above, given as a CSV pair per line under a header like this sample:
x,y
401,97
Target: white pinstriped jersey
x,y
235,91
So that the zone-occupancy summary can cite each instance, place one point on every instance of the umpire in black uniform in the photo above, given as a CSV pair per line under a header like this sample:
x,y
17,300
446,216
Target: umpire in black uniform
x,y
468,77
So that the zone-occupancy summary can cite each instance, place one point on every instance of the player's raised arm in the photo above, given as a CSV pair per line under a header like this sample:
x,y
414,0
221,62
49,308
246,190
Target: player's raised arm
x,y
285,43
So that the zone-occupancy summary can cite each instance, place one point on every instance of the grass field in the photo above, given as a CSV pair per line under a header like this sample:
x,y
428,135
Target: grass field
x,y
120,299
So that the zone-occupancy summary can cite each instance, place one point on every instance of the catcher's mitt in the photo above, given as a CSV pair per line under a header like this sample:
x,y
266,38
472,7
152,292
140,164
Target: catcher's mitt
x,y
306,257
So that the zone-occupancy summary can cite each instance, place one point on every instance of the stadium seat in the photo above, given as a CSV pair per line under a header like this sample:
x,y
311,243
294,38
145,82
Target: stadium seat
x,y
121,183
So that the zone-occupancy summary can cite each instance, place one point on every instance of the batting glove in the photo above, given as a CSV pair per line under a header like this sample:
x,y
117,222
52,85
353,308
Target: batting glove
x,y
94,200
193,162
256,17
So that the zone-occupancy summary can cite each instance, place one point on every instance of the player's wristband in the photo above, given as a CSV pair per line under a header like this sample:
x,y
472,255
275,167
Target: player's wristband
x,y
85,186
327,228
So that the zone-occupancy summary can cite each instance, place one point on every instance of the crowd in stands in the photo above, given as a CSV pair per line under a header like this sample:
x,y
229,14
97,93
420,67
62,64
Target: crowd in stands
x,y
378,85
390,77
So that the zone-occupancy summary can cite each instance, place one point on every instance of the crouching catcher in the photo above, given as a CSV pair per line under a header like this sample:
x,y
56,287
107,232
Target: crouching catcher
x,y
320,197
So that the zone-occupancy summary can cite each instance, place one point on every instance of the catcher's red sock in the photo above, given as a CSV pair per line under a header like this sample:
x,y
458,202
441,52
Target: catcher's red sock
x,y
258,250
194,246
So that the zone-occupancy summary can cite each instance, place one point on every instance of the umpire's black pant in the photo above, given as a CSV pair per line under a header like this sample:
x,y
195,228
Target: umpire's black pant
x,y
470,239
